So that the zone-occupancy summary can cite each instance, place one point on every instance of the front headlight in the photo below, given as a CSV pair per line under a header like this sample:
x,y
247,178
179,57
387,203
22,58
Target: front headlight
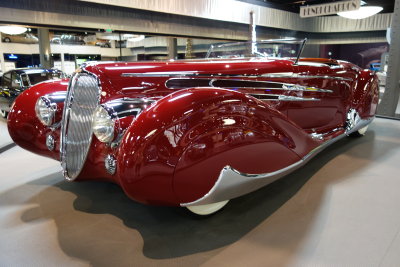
x,y
45,110
103,125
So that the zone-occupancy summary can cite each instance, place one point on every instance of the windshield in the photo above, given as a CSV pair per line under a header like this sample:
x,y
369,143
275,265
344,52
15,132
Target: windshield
x,y
269,48
43,76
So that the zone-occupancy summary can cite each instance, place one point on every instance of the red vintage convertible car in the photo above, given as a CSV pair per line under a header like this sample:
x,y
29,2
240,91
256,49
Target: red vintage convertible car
x,y
196,133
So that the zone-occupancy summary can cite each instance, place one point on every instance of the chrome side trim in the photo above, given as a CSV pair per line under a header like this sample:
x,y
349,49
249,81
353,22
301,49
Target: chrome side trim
x,y
186,74
276,97
143,86
301,76
268,85
160,74
265,75
321,136
232,183
307,89
123,107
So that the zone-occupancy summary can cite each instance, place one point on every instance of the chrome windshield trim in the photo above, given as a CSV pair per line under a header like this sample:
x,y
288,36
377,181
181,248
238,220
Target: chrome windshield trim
x,y
232,183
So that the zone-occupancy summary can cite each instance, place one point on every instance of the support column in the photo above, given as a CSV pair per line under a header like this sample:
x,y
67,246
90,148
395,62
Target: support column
x,y
189,49
390,98
62,62
44,47
3,64
172,48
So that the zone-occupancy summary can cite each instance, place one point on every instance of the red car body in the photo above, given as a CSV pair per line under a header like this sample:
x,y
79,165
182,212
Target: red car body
x,y
196,132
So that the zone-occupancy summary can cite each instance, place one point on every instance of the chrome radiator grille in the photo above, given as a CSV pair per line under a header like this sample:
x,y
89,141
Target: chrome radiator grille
x,y
76,131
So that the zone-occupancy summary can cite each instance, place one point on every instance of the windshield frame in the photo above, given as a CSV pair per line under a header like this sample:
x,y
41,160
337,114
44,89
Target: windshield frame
x,y
252,46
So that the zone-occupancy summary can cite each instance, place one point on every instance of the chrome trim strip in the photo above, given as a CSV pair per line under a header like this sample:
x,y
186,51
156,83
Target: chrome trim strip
x,y
284,97
265,75
300,76
305,89
187,74
133,88
123,107
160,74
232,183
285,86
145,85
321,136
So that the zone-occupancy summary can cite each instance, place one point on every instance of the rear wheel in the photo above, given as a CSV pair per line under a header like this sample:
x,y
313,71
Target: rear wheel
x,y
360,132
207,209
7,40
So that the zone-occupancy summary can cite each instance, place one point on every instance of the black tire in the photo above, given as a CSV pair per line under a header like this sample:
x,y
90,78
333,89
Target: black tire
x,y
7,40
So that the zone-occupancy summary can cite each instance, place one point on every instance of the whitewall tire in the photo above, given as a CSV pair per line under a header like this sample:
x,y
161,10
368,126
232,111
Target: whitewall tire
x,y
360,132
363,130
207,209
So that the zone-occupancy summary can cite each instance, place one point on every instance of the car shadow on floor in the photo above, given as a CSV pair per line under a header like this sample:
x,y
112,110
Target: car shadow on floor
x,y
168,232
95,218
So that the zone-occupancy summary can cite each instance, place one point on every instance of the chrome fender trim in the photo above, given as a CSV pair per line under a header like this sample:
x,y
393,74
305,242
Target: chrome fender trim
x,y
232,183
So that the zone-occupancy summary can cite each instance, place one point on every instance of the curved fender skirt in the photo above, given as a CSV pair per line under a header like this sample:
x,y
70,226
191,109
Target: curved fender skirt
x,y
232,183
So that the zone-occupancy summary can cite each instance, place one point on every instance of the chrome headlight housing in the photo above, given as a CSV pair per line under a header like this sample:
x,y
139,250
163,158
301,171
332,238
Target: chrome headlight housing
x,y
103,125
45,110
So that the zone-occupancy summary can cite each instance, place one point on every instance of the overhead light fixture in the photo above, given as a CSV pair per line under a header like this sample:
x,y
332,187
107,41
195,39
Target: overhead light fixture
x,y
117,36
13,30
136,39
361,13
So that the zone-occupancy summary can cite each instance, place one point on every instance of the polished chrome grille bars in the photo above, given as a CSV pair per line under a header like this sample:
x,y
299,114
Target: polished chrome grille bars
x,y
76,130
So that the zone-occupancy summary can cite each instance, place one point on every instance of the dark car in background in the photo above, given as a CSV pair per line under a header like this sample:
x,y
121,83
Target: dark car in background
x,y
16,81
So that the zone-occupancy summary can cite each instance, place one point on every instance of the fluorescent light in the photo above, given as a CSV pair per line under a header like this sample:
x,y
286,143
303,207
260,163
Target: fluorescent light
x,y
136,38
362,13
12,29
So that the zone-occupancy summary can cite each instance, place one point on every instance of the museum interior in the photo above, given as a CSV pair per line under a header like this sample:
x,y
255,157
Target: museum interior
x,y
200,133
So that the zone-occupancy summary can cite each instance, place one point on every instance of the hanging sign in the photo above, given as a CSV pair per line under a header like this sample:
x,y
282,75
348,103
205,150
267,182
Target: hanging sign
x,y
329,9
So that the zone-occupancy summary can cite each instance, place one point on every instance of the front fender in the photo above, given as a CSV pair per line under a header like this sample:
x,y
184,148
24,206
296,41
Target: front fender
x,y
23,125
173,151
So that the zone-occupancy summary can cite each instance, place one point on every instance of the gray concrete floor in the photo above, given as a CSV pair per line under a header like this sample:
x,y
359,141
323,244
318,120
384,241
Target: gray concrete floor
x,y
341,209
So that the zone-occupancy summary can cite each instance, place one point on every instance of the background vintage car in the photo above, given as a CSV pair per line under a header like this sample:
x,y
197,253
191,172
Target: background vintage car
x,y
196,133
16,81
27,38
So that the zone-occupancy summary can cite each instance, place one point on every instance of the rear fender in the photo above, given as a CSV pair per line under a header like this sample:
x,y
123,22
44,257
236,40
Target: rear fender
x,y
366,94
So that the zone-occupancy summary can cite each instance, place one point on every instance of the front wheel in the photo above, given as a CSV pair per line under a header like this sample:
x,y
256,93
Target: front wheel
x,y
360,132
207,209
